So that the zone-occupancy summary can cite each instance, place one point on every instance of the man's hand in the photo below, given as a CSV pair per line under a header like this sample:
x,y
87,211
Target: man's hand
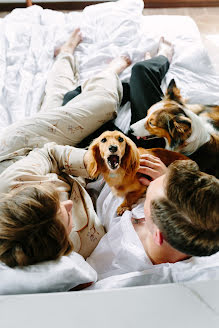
x,y
151,166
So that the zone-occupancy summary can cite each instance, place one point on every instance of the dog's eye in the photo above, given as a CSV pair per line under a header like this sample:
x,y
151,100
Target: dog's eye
x,y
103,140
151,124
120,139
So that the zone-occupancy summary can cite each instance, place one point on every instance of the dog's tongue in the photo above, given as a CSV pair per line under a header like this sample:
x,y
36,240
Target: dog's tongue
x,y
113,159
141,138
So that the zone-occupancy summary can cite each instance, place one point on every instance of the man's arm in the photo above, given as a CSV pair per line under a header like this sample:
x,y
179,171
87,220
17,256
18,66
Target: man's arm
x,y
52,158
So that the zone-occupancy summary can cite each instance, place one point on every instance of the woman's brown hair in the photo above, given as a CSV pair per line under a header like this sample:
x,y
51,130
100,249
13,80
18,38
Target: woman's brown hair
x,y
189,215
30,230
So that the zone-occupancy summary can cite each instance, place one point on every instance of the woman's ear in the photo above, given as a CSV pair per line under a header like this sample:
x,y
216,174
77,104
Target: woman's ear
x,y
19,255
93,160
131,159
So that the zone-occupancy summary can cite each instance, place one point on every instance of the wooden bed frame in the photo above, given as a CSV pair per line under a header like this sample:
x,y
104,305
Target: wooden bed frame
x,y
79,5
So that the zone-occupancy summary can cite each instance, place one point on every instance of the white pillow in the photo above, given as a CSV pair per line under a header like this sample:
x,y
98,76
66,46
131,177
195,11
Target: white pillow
x,y
52,276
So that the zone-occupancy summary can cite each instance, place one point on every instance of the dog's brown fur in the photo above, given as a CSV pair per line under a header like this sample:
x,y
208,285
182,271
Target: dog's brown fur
x,y
171,118
123,179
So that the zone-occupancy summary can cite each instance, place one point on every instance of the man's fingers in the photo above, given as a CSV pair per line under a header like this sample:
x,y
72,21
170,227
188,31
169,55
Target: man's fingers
x,y
150,158
151,166
144,181
148,171
149,163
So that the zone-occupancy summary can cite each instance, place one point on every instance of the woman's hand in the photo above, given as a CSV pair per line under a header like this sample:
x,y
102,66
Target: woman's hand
x,y
151,166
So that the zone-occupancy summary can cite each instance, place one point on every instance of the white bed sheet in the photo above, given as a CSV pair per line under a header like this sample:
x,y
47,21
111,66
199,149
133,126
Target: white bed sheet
x,y
194,269
28,38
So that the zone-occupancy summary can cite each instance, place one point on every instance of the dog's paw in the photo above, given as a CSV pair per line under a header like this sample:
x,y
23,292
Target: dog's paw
x,y
121,209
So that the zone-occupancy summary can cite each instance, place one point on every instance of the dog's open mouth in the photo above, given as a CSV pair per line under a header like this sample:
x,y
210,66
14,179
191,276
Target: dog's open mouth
x,y
113,161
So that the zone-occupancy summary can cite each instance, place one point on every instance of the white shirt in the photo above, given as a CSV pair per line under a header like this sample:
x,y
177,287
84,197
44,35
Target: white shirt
x,y
120,250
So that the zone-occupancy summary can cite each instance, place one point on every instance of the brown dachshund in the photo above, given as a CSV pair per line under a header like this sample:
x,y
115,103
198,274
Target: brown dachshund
x,y
117,159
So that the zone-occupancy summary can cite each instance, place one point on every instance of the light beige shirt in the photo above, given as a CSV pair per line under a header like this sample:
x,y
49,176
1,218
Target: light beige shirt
x,y
64,167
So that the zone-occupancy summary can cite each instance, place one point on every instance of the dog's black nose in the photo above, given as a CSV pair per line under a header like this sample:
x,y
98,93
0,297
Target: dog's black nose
x,y
130,130
113,148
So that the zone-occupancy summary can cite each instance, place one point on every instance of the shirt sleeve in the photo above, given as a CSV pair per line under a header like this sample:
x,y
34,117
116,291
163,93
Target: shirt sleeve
x,y
52,158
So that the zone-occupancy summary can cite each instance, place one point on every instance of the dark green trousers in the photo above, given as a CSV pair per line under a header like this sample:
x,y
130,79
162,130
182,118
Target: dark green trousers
x,y
143,91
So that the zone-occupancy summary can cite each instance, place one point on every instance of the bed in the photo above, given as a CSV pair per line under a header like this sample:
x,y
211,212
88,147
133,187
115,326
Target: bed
x,y
28,38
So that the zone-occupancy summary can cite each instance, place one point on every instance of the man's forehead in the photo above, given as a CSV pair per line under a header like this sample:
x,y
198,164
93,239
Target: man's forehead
x,y
156,187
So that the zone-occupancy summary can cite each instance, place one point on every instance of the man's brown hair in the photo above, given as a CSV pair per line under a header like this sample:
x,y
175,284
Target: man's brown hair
x,y
189,215
30,230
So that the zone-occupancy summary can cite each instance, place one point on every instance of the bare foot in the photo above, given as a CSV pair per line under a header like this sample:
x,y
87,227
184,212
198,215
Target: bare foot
x,y
165,48
119,64
70,45
147,55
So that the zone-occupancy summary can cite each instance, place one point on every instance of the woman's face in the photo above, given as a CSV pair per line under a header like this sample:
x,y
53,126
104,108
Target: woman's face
x,y
65,214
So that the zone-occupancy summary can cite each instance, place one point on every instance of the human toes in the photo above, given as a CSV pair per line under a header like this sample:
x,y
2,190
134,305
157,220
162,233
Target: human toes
x,y
76,37
165,48
147,55
127,59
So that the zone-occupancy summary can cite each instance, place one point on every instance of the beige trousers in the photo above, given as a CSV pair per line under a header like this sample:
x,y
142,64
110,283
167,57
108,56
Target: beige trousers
x,y
65,125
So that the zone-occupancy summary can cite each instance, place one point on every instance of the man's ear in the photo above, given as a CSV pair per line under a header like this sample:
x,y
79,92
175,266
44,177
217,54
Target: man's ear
x,y
158,237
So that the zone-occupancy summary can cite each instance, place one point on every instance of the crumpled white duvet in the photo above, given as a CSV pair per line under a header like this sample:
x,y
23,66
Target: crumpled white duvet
x,y
28,38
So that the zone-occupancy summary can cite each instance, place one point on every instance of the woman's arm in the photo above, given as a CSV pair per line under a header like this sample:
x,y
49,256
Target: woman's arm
x,y
52,158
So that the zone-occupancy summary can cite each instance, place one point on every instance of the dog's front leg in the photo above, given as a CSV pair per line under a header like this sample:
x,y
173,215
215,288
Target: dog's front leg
x,y
130,199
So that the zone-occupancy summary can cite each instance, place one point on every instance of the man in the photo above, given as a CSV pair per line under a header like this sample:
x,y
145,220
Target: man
x,y
182,214
180,219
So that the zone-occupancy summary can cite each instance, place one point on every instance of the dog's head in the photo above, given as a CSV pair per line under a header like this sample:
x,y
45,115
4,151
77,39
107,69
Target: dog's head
x,y
109,152
166,119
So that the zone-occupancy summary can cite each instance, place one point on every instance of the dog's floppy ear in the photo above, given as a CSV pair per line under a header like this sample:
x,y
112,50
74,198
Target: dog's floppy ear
x,y
173,93
179,128
131,159
94,160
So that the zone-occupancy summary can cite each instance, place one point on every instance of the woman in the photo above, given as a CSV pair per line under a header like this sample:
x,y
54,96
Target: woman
x,y
42,191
